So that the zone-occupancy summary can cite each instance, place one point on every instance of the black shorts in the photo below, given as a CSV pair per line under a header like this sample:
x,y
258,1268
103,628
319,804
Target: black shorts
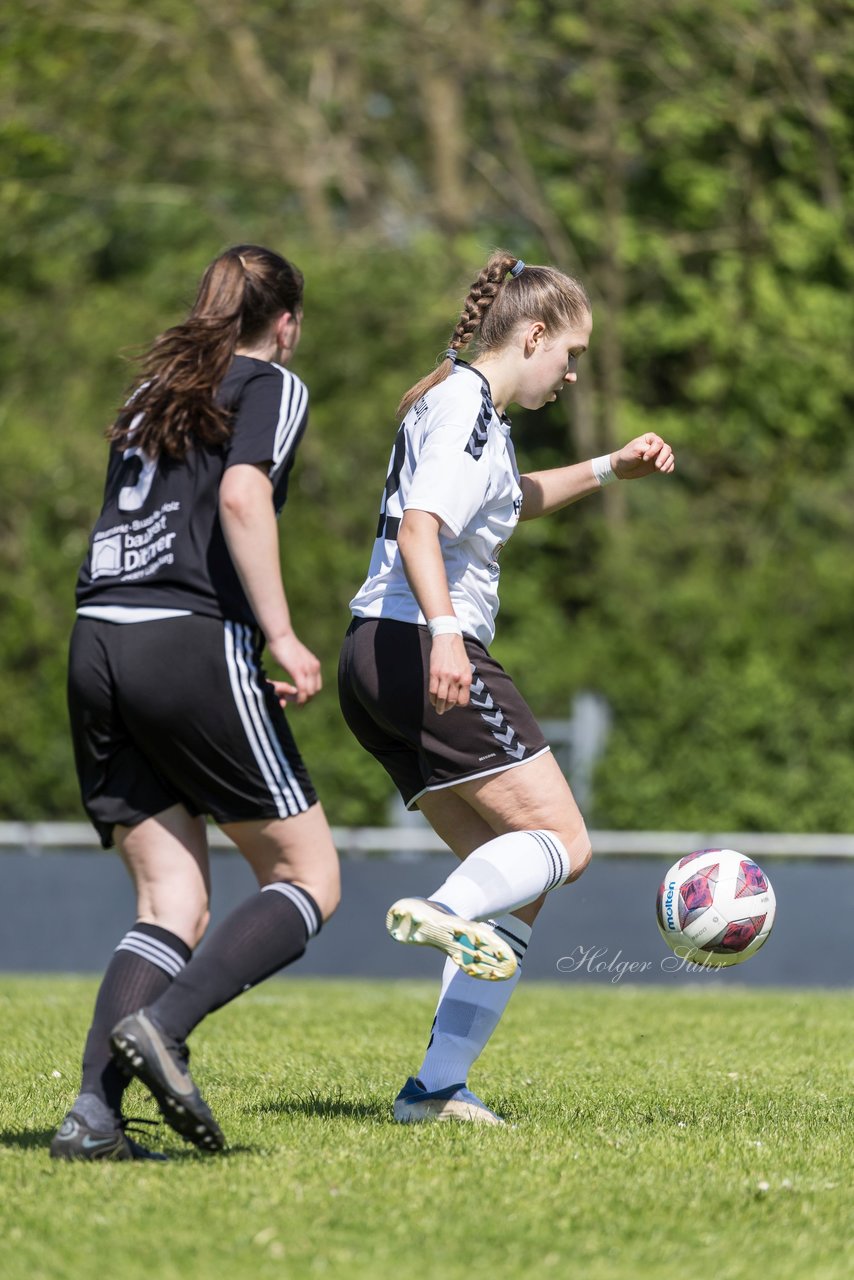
x,y
179,711
383,686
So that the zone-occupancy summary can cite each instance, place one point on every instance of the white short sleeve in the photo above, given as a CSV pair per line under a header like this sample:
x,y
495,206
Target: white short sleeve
x,y
449,481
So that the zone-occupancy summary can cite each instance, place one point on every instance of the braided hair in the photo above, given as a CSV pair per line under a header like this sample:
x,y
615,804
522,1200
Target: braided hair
x,y
497,302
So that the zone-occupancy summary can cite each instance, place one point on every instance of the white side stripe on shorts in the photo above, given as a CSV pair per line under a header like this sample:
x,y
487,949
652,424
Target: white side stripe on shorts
x,y
249,699
300,901
152,949
270,739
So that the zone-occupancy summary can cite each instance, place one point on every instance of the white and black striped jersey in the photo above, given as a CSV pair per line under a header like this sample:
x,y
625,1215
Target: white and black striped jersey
x,y
158,543
453,456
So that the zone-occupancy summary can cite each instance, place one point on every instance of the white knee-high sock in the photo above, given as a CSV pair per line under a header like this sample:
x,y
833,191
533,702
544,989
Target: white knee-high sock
x,y
505,873
468,1012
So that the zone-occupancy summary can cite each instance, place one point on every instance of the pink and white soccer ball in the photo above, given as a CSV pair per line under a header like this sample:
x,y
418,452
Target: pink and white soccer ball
x,y
715,907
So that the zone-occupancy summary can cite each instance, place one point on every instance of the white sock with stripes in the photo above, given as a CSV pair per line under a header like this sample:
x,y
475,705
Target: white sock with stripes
x,y
468,1012
505,873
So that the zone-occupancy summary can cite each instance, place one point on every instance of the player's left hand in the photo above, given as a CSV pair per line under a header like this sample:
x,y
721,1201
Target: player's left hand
x,y
642,456
284,692
300,664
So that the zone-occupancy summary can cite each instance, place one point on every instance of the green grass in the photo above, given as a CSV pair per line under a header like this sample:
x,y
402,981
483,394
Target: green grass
x,y
653,1134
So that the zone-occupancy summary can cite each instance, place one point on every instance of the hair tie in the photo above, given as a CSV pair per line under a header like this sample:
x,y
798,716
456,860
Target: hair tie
x,y
517,268
451,354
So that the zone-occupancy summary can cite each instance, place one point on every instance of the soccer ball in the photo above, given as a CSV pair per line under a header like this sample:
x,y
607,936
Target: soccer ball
x,y
715,907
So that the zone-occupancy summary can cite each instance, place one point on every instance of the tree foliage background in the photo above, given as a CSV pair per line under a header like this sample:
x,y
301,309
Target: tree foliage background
x,y
691,160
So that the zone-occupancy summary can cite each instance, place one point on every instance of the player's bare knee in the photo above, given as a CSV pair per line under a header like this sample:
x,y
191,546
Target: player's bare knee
x,y
580,866
329,902
192,927
187,921
326,893
578,847
202,923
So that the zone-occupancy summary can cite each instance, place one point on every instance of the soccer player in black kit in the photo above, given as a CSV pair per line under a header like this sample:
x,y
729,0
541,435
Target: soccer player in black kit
x,y
172,715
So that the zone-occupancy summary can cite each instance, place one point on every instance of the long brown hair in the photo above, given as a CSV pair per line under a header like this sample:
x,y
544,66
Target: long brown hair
x,y
496,303
172,404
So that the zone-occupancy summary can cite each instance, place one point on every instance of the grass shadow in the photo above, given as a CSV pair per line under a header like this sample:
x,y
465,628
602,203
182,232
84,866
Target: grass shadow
x,y
27,1139
39,1139
324,1107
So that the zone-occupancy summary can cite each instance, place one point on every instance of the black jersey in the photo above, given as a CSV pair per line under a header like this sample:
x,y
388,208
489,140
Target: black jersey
x,y
158,542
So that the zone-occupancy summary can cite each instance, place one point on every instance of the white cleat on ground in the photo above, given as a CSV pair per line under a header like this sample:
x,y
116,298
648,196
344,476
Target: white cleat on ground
x,y
416,1105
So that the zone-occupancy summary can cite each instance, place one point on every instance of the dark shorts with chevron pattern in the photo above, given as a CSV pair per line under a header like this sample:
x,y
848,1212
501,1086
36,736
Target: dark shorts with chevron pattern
x,y
382,684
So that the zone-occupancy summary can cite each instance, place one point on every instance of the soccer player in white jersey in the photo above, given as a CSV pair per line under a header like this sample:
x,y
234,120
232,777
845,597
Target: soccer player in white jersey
x,y
171,713
418,686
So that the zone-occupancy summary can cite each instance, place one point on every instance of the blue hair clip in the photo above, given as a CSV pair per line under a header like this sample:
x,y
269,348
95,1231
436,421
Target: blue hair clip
x,y
451,354
518,268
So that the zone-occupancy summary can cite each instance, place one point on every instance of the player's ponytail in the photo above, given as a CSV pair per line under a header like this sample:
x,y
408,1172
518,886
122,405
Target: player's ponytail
x,y
506,292
172,405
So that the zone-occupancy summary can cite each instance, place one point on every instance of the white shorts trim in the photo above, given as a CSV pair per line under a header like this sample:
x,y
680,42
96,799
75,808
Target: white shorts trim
x,y
125,613
470,777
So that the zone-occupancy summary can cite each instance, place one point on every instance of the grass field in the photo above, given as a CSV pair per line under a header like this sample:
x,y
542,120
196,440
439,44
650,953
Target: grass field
x,y
653,1134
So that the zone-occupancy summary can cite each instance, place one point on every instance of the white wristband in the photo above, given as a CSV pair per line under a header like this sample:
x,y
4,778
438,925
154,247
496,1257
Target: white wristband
x,y
602,469
446,625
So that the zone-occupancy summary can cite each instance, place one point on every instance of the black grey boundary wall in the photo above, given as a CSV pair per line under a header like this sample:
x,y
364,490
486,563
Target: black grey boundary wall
x,y
64,912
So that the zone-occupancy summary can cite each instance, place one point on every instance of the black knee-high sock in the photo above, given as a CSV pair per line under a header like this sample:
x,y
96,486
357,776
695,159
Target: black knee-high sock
x,y
142,967
261,936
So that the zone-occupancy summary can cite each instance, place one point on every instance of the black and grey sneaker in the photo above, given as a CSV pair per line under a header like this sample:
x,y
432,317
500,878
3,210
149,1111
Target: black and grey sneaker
x,y
161,1064
77,1139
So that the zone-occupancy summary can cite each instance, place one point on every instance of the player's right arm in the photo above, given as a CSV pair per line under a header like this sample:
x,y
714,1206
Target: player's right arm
x,y
546,491
421,555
